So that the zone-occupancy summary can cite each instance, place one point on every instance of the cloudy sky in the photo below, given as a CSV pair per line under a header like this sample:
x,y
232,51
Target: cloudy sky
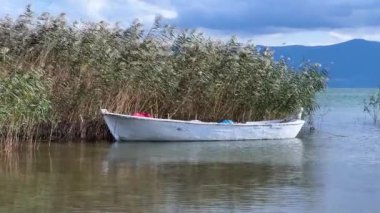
x,y
267,22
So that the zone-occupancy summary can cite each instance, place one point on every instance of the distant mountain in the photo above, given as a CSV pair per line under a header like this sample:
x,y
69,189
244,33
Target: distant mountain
x,y
354,63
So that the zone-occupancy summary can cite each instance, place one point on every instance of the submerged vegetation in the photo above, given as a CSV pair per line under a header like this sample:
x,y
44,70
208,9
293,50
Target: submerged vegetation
x,y
55,76
372,106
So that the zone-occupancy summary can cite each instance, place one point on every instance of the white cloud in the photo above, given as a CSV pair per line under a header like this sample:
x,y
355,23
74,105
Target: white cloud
x,y
309,38
151,8
94,8
10,7
124,11
302,37
368,33
319,37
340,36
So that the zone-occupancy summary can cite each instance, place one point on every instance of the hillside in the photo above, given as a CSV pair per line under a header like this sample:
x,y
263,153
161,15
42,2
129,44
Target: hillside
x,y
354,63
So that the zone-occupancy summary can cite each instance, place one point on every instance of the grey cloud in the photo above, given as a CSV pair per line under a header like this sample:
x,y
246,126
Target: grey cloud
x,y
266,16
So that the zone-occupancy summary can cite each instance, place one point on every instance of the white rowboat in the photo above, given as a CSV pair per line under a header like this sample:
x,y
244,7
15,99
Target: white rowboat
x,y
134,128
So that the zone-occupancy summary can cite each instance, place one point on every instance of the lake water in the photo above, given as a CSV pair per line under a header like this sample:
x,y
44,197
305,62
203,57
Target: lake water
x,y
336,168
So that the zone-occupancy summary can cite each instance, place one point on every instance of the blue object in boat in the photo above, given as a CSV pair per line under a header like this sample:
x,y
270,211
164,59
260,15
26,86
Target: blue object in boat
x,y
226,122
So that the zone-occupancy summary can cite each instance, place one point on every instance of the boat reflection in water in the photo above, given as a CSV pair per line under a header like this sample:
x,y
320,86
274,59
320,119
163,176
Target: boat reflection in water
x,y
212,176
273,152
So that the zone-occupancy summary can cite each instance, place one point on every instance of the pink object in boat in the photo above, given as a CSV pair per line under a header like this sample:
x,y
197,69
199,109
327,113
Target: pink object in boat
x,y
142,114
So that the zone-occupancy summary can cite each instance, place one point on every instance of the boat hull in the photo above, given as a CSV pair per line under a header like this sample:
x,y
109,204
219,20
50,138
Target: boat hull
x,y
131,128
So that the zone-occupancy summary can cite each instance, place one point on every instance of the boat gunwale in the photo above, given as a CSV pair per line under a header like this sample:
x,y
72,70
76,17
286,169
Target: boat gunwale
x,y
251,123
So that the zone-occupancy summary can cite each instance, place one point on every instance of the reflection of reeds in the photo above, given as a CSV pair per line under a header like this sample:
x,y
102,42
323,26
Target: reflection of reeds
x,y
10,163
69,177
16,163
55,76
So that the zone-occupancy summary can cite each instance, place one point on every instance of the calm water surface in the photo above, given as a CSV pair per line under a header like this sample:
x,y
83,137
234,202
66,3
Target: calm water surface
x,y
334,169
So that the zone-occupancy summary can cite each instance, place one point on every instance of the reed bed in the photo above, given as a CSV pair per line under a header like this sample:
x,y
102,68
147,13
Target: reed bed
x,y
55,76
